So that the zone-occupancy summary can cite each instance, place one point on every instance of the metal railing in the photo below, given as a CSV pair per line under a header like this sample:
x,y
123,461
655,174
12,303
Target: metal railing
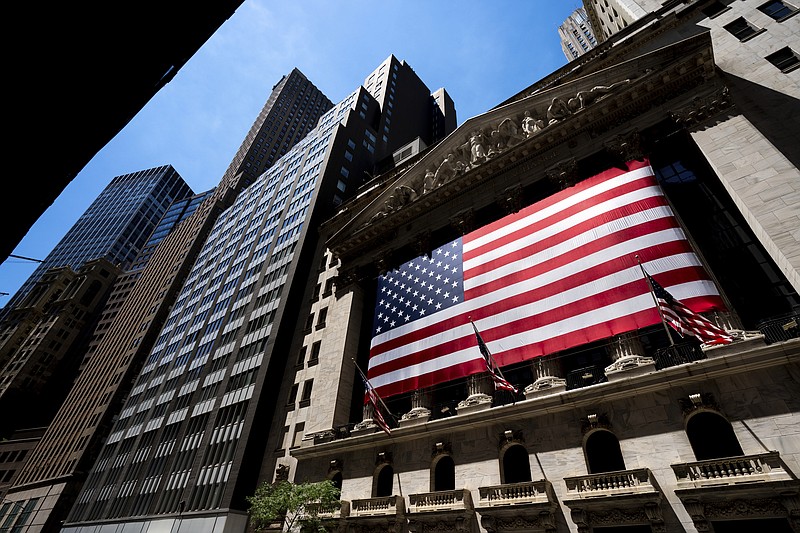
x,y
782,328
583,377
678,354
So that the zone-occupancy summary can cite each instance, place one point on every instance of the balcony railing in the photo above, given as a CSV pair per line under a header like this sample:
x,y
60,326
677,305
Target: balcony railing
x,y
781,328
529,492
678,354
443,500
731,470
381,506
583,377
611,483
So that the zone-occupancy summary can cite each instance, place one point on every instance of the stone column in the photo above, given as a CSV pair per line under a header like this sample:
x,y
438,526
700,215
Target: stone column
x,y
367,424
420,409
547,372
628,355
478,387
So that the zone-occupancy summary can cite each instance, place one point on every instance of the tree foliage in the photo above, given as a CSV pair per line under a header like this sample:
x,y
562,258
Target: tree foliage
x,y
293,505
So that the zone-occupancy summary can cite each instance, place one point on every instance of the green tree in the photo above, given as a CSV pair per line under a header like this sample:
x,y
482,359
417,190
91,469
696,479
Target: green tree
x,y
294,506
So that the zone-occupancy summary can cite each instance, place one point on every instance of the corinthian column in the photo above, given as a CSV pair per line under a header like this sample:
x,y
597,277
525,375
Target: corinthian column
x,y
547,374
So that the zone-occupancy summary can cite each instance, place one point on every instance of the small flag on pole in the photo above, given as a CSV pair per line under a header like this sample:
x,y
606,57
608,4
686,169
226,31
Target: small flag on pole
x,y
684,320
373,398
491,367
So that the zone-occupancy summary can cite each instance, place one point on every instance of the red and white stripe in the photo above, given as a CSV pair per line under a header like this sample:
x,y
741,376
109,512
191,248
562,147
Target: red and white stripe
x,y
558,274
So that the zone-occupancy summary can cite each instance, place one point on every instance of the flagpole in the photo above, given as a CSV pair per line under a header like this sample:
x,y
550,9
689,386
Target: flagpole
x,y
494,363
655,302
363,375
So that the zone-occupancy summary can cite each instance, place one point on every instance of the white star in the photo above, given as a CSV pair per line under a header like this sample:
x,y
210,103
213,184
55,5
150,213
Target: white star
x,y
438,305
392,324
439,251
407,318
421,311
447,253
416,267
378,330
430,300
424,270
415,307
438,263
455,284
380,315
438,277
455,299
447,295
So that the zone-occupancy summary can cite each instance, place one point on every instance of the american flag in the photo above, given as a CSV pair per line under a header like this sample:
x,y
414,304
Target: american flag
x,y
684,320
500,382
372,397
557,274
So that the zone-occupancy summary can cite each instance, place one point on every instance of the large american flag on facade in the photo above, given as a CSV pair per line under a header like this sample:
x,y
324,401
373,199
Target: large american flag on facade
x,y
557,274
684,320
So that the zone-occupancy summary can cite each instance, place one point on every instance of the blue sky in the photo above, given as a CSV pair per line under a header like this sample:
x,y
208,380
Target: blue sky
x,y
481,52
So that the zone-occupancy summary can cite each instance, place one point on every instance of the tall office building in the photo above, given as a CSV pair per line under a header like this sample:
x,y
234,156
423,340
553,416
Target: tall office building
x,y
190,439
576,35
57,467
537,222
117,223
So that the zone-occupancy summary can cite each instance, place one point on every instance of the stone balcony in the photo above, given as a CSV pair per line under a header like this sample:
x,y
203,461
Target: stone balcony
x,y
745,486
453,508
621,498
526,506
731,471
381,506
386,513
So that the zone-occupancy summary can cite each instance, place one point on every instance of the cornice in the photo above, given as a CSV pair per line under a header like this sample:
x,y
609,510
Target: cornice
x,y
518,144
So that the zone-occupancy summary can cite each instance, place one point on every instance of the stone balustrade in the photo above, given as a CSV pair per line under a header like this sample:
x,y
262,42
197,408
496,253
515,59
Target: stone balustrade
x,y
610,483
731,470
528,492
444,500
385,505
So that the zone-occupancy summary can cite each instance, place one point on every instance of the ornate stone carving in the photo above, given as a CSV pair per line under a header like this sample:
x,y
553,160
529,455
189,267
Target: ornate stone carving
x,y
703,108
441,448
335,466
464,222
626,147
511,200
384,458
511,437
698,401
595,421
564,174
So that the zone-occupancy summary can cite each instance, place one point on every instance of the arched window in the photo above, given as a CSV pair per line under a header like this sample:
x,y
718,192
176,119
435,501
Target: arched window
x,y
603,453
712,436
444,474
336,479
383,483
516,464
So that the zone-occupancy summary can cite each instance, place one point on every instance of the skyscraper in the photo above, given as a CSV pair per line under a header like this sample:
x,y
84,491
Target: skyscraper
x,y
57,467
576,34
117,223
190,439
653,152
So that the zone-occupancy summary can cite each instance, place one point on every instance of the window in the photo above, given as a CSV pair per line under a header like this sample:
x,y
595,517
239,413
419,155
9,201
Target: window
x,y
323,315
785,59
742,30
314,358
383,481
516,464
292,395
299,429
301,357
712,436
778,10
309,322
444,474
714,9
305,400
328,288
603,453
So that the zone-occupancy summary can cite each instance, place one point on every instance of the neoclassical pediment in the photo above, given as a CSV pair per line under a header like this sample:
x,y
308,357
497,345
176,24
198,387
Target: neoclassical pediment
x,y
485,144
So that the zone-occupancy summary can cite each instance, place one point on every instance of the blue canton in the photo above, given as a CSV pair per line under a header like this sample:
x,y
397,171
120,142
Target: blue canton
x,y
419,288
